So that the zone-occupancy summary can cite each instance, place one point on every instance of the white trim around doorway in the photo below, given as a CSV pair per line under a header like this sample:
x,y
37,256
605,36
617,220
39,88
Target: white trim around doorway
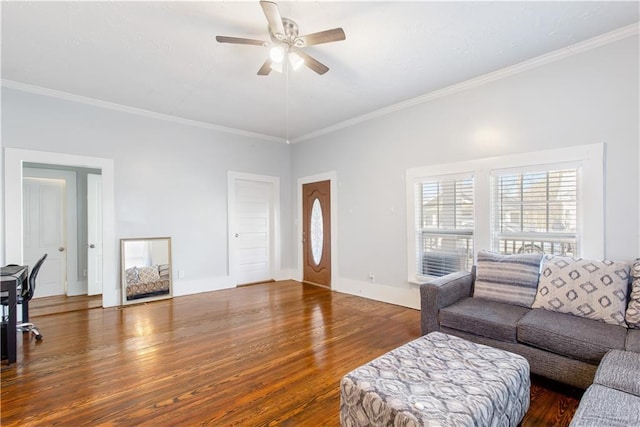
x,y
14,159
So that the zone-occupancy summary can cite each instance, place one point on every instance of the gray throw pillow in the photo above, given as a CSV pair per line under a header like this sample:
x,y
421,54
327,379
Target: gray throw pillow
x,y
511,279
587,288
132,276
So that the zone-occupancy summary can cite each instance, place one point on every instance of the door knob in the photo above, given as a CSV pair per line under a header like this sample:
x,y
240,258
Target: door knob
x,y
91,246
61,249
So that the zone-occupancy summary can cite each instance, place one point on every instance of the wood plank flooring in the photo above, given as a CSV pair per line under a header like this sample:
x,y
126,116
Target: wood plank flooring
x,y
262,355
62,304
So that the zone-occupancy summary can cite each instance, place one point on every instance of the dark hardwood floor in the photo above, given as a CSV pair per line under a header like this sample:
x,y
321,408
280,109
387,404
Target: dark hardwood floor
x,y
269,354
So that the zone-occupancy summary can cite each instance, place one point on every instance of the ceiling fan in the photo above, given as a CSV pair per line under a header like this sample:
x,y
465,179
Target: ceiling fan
x,y
286,43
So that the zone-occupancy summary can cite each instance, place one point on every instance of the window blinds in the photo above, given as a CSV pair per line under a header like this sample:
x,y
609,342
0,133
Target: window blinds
x,y
536,212
445,224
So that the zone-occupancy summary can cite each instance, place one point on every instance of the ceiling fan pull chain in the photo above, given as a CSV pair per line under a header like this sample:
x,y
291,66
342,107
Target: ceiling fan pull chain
x,y
287,103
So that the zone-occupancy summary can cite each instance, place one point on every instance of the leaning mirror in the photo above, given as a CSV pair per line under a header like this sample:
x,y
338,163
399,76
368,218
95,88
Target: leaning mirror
x,y
146,269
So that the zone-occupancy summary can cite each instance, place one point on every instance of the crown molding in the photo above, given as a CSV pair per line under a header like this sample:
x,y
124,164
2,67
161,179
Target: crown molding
x,y
586,45
547,58
132,110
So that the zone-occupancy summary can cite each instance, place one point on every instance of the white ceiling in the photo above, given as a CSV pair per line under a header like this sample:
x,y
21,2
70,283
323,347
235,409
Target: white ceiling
x,y
163,57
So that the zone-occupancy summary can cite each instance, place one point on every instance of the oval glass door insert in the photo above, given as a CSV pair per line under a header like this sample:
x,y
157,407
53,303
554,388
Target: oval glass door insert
x,y
317,232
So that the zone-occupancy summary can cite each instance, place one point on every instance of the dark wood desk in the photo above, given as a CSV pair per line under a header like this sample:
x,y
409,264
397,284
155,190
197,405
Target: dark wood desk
x,y
10,285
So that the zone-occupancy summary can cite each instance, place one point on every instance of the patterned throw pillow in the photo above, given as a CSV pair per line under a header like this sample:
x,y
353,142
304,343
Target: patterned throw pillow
x,y
148,274
511,279
131,275
633,311
586,288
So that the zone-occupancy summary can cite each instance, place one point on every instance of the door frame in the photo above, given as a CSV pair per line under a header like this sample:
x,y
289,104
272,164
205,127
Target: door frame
x,y
14,159
73,284
332,177
275,249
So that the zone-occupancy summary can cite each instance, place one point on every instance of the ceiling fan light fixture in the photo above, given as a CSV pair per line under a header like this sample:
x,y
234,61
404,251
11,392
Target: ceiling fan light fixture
x,y
286,41
276,66
295,60
277,54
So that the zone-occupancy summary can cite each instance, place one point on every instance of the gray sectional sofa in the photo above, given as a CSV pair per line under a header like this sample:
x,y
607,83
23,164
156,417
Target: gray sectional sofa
x,y
563,347
614,397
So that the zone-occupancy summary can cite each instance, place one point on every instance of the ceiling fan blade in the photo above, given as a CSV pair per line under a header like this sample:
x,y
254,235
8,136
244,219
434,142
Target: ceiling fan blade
x,y
327,36
266,68
272,13
238,40
312,63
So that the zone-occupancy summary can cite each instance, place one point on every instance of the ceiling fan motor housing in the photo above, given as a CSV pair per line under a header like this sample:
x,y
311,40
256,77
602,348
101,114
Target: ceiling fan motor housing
x,y
290,36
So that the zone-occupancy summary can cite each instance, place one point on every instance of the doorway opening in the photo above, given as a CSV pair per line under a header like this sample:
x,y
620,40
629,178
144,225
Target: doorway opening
x,y
58,224
15,159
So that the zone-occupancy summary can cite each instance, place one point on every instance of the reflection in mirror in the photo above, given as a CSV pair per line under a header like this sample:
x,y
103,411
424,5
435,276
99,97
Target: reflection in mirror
x,y
146,269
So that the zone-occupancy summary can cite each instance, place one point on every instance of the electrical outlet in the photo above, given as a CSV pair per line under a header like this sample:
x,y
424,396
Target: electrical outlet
x,y
180,274
372,277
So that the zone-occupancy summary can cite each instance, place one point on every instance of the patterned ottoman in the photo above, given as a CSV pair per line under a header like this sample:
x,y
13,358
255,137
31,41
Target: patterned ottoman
x,y
437,380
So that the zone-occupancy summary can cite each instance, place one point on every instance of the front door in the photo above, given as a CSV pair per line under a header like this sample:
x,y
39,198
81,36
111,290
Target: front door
x,y
316,232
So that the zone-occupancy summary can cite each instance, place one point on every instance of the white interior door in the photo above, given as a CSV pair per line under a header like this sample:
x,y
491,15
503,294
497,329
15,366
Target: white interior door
x,y
94,234
44,232
75,284
251,235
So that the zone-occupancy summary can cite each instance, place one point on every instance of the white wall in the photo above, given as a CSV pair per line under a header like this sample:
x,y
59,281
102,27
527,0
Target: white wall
x,y
587,98
170,178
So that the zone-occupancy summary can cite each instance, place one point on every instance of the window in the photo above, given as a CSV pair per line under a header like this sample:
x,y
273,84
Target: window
x,y
444,225
536,212
548,201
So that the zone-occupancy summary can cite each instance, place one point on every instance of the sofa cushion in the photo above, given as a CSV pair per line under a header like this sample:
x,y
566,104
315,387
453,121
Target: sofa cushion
x,y
633,310
512,279
576,337
482,317
633,340
620,370
602,406
587,288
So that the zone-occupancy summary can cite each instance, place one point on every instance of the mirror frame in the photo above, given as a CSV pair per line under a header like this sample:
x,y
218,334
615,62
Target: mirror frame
x,y
123,277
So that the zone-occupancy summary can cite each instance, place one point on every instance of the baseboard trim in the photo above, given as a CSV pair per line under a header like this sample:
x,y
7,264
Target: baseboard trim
x,y
405,296
242,285
207,284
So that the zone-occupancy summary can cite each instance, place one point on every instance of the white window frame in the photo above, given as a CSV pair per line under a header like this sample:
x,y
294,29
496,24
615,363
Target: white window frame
x,y
589,159
419,231
497,173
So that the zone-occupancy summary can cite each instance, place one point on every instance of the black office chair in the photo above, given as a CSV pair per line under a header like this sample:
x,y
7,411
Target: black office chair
x,y
26,293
